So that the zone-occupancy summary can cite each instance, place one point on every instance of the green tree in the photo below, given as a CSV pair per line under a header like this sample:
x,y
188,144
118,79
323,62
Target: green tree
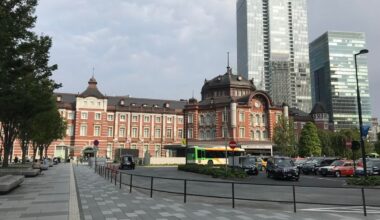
x,y
284,137
325,138
25,84
309,143
46,127
377,144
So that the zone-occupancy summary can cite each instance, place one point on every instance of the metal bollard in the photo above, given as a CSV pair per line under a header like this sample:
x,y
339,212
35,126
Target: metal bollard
x,y
184,190
294,198
233,195
151,186
364,205
130,184
120,181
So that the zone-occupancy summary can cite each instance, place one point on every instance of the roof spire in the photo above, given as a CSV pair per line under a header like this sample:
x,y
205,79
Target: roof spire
x,y
229,69
93,72
228,60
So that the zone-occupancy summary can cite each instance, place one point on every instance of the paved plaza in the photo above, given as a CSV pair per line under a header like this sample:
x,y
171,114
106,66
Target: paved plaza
x,y
54,194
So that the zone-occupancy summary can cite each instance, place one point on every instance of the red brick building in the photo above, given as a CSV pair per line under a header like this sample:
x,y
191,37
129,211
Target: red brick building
x,y
117,122
231,108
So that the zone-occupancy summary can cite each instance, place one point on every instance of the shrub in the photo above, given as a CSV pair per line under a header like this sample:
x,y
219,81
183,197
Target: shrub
x,y
215,172
361,181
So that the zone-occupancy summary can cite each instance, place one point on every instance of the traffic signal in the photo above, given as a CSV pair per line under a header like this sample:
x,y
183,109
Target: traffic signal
x,y
355,145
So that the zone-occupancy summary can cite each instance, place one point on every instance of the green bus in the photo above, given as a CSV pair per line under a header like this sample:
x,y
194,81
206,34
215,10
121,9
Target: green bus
x,y
211,155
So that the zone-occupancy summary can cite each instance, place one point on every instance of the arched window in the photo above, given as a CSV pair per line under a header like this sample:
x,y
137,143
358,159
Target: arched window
x,y
252,135
265,135
258,119
252,119
208,134
202,134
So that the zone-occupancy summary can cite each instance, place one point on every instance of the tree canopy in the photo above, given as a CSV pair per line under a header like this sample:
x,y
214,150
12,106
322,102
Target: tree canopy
x,y
284,137
25,85
309,143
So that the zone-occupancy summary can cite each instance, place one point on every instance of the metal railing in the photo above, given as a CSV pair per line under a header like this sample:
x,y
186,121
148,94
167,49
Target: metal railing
x,y
112,174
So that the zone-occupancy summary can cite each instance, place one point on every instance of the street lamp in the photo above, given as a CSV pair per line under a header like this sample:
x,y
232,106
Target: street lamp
x,y
364,51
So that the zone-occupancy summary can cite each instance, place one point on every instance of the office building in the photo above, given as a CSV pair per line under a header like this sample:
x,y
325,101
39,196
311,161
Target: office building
x,y
333,77
272,49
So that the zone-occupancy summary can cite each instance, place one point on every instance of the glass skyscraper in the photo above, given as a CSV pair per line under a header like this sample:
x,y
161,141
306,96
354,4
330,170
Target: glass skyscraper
x,y
333,77
273,49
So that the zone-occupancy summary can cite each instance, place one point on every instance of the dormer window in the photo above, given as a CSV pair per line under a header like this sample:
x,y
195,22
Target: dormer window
x,y
166,105
59,98
239,78
144,105
122,103
156,106
133,104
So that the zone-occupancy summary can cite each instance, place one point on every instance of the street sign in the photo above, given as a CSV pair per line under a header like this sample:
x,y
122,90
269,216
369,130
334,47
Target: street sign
x,y
232,144
365,129
96,142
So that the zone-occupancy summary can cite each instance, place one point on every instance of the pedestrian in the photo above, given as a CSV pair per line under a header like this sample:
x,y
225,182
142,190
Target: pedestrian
x,y
16,159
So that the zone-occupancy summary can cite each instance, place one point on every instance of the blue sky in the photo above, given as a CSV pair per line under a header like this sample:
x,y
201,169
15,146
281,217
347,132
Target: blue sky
x,y
166,48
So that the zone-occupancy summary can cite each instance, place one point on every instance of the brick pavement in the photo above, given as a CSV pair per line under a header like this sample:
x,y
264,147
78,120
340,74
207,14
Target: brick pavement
x,y
101,199
53,196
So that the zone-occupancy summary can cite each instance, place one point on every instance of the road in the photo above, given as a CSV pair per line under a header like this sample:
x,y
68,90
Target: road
x,y
260,188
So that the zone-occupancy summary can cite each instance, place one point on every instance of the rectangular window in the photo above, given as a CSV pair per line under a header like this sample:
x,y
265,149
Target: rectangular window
x,y
157,150
146,132
180,133
70,130
241,116
84,115
169,119
180,120
169,133
122,145
225,132
190,133
241,132
134,132
146,118
98,116
158,119
224,116
70,115
146,149
97,130
109,150
110,131
121,132
122,117
190,118
134,118
109,117
133,146
83,130
157,133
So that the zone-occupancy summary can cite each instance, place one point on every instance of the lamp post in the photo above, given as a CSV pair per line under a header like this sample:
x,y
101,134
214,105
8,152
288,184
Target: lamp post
x,y
364,51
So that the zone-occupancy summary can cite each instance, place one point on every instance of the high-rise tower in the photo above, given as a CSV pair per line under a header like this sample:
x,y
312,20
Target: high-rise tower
x,y
272,49
333,77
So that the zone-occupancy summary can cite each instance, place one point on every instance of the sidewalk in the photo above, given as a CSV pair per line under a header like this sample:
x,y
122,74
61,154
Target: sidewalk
x,y
44,197
101,199
53,195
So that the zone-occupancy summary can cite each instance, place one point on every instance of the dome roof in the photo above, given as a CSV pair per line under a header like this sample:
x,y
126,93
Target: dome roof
x,y
228,80
92,90
318,108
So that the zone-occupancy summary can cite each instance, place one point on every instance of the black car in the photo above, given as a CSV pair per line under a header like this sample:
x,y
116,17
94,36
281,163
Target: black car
x,y
312,166
282,167
127,162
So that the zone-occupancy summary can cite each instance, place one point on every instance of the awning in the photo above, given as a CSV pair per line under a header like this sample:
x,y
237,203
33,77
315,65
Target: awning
x,y
174,147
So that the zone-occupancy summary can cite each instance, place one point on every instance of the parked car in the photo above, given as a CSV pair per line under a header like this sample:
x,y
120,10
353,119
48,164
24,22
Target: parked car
x,y
338,168
312,166
373,167
127,162
282,167
248,163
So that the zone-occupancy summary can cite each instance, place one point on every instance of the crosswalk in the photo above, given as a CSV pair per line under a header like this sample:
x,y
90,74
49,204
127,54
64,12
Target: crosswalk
x,y
344,209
